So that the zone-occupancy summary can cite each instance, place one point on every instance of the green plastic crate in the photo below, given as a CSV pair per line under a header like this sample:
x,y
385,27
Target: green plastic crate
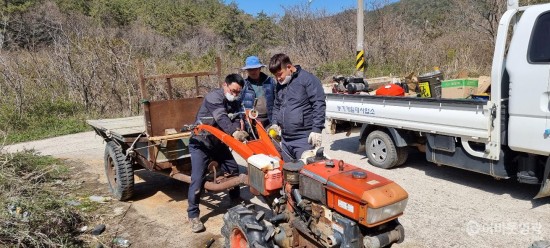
x,y
458,88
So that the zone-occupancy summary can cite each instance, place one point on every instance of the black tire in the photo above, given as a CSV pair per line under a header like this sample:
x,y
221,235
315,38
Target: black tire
x,y
402,155
119,172
381,150
247,226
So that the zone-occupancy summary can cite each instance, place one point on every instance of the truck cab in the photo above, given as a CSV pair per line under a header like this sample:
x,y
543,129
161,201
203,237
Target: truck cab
x,y
507,136
528,67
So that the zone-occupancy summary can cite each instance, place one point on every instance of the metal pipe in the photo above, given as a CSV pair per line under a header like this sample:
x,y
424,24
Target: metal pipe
x,y
282,217
297,196
396,235
212,186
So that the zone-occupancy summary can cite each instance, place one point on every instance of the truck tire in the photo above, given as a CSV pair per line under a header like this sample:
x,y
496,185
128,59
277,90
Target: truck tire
x,y
402,155
119,172
381,150
244,227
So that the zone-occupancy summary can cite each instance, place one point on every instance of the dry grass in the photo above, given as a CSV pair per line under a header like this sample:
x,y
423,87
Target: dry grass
x,y
33,208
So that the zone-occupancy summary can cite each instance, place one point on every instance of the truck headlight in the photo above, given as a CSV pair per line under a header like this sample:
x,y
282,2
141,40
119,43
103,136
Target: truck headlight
x,y
375,215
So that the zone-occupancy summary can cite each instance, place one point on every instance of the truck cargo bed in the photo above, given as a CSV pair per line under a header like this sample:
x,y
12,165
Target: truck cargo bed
x,y
460,118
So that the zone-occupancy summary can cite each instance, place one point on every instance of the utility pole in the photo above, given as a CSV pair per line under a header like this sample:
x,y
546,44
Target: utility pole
x,y
360,64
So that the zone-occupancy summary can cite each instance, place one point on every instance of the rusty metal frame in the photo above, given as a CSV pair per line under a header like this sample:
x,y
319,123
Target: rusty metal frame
x,y
153,149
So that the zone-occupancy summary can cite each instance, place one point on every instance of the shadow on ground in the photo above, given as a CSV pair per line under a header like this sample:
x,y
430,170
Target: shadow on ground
x,y
483,182
348,144
155,182
217,202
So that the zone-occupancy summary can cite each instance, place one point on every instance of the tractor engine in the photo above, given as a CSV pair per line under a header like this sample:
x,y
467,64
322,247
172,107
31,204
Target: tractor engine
x,y
333,204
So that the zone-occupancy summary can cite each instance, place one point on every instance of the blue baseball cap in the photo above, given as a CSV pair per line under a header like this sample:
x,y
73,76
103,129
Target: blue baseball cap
x,y
252,62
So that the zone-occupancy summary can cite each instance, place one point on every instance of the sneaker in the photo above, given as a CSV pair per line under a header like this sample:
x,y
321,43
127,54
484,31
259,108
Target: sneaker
x,y
196,225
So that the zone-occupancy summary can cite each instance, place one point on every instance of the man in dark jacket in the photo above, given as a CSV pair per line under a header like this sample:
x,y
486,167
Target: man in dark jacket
x,y
217,110
299,109
258,86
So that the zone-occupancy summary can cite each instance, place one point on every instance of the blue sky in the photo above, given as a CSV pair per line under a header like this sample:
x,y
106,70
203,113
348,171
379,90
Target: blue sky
x,y
275,7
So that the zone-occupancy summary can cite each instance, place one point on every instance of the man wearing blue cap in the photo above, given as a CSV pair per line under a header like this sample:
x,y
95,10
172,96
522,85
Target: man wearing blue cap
x,y
258,86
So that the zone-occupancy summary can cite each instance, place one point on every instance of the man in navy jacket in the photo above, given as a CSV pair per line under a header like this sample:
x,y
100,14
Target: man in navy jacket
x,y
258,86
299,109
217,110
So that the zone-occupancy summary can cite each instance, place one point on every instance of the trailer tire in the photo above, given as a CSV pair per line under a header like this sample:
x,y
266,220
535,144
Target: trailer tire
x,y
402,155
244,227
119,172
381,150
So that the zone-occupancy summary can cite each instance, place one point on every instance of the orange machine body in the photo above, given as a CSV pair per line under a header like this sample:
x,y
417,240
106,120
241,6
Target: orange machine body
x,y
271,180
262,145
351,195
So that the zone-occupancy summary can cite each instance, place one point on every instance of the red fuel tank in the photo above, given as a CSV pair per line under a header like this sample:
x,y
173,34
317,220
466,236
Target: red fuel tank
x,y
390,90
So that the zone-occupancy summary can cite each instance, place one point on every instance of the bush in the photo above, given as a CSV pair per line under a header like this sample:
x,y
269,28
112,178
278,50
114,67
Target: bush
x,y
42,120
340,67
32,213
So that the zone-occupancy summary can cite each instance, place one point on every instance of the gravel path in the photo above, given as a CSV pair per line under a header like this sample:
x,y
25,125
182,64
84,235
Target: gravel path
x,y
447,207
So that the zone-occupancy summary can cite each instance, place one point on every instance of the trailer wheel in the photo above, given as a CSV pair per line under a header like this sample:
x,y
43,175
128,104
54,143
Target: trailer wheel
x,y
245,228
402,155
119,171
381,150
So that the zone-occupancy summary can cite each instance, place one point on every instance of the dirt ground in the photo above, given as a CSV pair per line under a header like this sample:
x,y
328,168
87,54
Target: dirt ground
x,y
447,207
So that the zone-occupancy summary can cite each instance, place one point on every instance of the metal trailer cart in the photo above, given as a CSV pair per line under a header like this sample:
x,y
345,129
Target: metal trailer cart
x,y
156,140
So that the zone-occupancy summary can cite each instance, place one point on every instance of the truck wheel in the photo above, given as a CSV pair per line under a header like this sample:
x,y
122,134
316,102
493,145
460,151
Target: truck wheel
x,y
119,171
402,155
380,150
244,228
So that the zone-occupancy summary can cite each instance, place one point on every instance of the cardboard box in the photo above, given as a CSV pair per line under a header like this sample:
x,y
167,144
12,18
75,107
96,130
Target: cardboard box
x,y
483,85
458,88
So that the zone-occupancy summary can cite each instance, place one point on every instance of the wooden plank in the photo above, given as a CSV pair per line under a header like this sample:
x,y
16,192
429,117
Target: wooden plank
x,y
120,126
181,75
170,137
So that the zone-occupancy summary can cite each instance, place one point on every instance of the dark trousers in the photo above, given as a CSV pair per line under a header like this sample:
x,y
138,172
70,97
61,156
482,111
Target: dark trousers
x,y
293,149
200,157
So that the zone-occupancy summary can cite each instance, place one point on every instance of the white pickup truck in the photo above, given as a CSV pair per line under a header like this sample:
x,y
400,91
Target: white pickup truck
x,y
506,136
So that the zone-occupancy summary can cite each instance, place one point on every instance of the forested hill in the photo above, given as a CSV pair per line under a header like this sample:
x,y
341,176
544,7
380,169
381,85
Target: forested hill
x,y
188,29
35,23
77,57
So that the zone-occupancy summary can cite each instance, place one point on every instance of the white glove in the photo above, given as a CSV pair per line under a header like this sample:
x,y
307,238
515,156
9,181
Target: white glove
x,y
315,139
275,127
240,135
274,130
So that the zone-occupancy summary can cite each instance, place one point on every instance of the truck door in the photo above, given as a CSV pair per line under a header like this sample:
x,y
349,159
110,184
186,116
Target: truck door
x,y
528,64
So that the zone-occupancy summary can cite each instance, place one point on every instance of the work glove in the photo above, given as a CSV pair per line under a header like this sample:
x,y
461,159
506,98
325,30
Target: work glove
x,y
233,116
240,135
315,139
275,129
274,132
